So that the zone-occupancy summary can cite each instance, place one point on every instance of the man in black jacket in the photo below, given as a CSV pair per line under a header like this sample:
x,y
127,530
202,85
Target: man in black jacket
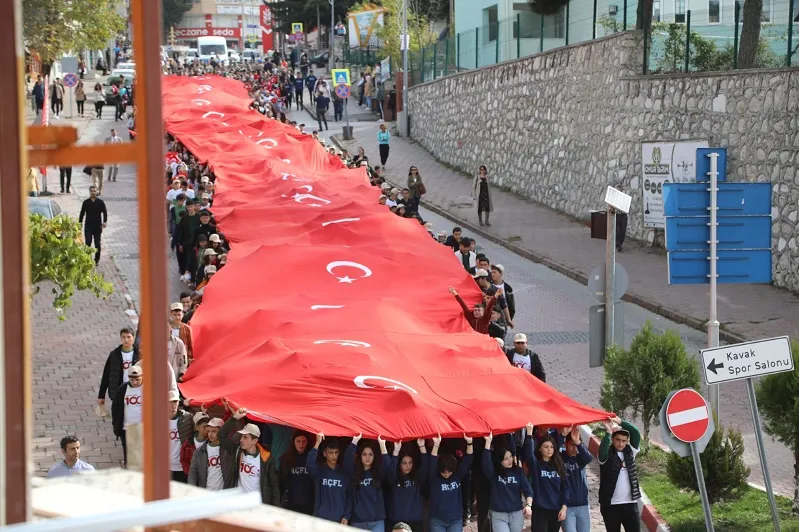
x,y
93,209
521,357
117,364
187,237
498,280
126,409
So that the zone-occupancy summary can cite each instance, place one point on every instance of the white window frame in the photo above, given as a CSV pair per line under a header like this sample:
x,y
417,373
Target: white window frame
x,y
769,12
721,13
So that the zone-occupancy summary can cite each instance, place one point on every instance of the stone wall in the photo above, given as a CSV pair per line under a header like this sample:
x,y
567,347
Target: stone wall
x,y
559,127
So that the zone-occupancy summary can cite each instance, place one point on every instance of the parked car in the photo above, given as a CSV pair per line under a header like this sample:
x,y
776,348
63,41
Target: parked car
x,y
320,60
44,206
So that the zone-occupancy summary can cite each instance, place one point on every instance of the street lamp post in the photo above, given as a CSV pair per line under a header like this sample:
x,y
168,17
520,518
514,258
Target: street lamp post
x,y
331,59
404,44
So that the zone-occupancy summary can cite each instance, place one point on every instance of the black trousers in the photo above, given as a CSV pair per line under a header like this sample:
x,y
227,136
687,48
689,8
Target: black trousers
x,y
482,492
58,105
300,104
81,104
618,515
180,476
66,178
124,440
321,117
545,520
621,229
98,108
120,111
92,235
338,110
383,153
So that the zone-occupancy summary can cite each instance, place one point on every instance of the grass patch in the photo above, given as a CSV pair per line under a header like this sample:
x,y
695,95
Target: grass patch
x,y
683,510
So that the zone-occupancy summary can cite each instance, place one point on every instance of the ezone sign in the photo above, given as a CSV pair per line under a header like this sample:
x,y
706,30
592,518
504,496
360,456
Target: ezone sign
x,y
185,33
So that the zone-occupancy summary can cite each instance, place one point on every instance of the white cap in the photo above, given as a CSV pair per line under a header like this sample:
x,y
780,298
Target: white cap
x,y
173,395
176,306
500,341
520,337
480,273
251,429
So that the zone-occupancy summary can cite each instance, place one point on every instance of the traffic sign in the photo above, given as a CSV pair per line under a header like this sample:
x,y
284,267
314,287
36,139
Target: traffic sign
x,y
341,76
296,27
70,80
687,415
298,36
734,199
733,266
680,447
252,37
342,91
596,283
747,360
734,232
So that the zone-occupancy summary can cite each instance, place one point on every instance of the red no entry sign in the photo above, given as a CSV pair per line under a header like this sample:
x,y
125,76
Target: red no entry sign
x,y
687,415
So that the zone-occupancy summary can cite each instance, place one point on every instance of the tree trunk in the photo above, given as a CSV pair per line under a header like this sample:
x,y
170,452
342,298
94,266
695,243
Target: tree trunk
x,y
795,508
750,33
644,18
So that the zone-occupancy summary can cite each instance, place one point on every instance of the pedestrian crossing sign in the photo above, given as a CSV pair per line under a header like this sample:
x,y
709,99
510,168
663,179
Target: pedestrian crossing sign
x,y
341,76
296,27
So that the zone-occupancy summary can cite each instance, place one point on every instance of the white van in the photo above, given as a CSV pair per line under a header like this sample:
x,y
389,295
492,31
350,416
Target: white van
x,y
210,47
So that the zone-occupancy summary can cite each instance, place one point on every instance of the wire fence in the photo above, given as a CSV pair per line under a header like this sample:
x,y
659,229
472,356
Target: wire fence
x,y
710,40
714,43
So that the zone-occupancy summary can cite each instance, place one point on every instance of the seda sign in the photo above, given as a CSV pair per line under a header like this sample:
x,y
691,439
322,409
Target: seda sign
x,y
193,33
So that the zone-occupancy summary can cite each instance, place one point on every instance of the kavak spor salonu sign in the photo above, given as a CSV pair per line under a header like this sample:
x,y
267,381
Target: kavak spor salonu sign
x,y
187,33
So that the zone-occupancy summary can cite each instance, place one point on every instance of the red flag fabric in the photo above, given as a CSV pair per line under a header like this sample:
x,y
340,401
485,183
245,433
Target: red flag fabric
x,y
332,314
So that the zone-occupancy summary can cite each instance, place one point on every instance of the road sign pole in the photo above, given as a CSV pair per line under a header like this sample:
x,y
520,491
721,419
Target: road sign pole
x,y
610,276
700,481
713,322
761,451
71,98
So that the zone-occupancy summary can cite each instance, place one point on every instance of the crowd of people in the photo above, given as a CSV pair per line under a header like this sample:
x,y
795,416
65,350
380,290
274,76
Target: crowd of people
x,y
429,484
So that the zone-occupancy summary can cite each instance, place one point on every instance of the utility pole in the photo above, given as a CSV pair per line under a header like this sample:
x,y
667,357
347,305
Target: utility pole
x,y
405,42
331,60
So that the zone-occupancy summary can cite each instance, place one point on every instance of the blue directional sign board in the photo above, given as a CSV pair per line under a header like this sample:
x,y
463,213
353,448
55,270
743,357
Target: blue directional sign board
x,y
703,163
743,227
733,266
734,199
686,233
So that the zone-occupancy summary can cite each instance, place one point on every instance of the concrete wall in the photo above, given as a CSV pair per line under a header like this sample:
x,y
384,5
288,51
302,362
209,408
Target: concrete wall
x,y
560,127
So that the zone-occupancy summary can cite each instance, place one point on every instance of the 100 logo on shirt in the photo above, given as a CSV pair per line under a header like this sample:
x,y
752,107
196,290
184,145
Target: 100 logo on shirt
x,y
213,461
247,468
133,400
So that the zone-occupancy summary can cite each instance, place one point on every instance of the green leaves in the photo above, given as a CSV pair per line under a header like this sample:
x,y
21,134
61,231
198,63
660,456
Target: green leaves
x,y
55,27
58,255
173,12
639,379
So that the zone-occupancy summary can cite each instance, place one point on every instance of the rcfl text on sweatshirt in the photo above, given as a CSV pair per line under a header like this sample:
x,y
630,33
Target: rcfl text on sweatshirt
x,y
300,484
333,490
446,502
368,502
578,487
551,490
405,499
506,488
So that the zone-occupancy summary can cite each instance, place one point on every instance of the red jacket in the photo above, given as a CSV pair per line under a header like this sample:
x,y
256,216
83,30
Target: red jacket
x,y
480,325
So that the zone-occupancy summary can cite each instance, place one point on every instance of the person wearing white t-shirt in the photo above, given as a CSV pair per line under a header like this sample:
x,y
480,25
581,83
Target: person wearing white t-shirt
x,y
117,364
181,429
619,490
253,467
206,469
126,409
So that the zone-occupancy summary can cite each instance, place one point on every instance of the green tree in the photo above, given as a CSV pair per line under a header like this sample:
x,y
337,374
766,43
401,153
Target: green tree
x,y
285,12
639,379
778,401
59,256
52,28
173,12
419,29
723,467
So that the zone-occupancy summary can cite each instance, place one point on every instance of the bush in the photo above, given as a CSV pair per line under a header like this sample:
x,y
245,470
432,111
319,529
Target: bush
x,y
639,379
778,402
723,467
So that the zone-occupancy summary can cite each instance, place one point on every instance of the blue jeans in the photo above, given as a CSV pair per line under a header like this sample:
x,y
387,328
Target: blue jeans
x,y
507,522
578,519
438,525
372,526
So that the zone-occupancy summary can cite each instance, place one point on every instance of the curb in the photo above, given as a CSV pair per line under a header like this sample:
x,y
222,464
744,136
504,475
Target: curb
x,y
649,514
641,301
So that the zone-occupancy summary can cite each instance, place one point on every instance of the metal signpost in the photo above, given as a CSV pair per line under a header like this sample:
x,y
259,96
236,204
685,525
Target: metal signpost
x,y
686,422
70,81
616,200
717,232
343,92
596,313
746,361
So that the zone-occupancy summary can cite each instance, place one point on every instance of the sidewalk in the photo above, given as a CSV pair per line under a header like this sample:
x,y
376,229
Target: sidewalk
x,y
746,312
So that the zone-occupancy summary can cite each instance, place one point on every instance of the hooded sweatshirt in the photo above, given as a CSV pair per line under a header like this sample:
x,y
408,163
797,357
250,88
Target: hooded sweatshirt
x,y
405,499
368,502
332,489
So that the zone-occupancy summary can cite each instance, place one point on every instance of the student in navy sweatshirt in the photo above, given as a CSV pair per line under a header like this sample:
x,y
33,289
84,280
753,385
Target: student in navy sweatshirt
x,y
368,472
405,499
333,489
549,482
507,484
575,458
446,500
296,485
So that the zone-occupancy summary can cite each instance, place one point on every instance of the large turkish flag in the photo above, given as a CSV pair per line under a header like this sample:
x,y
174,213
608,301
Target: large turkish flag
x,y
332,313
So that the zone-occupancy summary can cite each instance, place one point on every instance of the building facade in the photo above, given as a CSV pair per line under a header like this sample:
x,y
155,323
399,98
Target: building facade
x,y
236,20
